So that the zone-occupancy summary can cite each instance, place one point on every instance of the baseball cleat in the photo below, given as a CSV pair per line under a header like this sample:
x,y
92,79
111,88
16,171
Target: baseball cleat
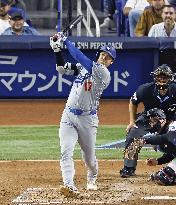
x,y
91,186
127,172
69,191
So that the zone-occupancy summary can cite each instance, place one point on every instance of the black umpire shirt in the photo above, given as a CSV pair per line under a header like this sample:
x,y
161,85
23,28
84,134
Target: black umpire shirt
x,y
148,95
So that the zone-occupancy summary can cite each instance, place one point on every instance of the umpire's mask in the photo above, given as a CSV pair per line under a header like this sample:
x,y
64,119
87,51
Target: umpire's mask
x,y
163,76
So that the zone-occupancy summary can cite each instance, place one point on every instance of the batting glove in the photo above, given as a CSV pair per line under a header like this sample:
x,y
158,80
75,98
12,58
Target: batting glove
x,y
56,41
56,46
60,36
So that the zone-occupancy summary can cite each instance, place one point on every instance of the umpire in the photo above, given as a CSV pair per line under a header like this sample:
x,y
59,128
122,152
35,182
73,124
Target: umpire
x,y
159,94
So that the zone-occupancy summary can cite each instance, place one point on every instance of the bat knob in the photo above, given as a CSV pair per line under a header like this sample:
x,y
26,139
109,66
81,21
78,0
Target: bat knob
x,y
54,39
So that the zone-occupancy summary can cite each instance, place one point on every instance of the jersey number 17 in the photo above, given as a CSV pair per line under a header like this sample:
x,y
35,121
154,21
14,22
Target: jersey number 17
x,y
87,85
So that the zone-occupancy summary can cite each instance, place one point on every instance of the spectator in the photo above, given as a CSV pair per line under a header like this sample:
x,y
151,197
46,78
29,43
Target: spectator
x,y
110,8
17,5
4,16
150,16
5,12
17,26
167,28
133,9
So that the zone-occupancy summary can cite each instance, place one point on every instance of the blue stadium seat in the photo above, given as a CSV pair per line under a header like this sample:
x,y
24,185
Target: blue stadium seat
x,y
122,22
127,29
102,5
118,16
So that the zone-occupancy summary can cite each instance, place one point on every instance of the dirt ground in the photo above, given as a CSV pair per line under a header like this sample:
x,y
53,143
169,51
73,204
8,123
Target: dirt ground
x,y
17,176
35,112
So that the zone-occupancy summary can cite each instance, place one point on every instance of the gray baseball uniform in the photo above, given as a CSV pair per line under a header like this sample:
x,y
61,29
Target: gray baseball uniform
x,y
79,121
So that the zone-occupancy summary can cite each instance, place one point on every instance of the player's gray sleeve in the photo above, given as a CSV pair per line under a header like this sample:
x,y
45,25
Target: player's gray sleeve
x,y
101,73
68,69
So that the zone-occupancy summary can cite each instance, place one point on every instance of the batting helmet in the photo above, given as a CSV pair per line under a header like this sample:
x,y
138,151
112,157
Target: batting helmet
x,y
157,119
155,112
166,73
108,49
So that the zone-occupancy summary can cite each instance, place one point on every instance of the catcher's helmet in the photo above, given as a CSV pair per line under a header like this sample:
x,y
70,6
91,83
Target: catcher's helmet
x,y
108,49
155,112
163,76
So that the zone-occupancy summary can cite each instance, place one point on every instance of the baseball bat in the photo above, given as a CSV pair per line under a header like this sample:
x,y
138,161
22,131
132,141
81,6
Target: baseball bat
x,y
73,23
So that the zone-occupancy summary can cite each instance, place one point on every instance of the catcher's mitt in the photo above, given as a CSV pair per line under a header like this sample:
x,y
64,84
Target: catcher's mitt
x,y
134,148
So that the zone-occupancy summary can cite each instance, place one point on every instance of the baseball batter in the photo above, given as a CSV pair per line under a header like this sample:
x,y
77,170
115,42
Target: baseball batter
x,y
79,121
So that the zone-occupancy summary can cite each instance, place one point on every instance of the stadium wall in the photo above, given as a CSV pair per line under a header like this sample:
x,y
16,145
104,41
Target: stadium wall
x,y
27,65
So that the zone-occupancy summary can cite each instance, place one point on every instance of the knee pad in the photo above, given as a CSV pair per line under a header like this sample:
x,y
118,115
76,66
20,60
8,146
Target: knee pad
x,y
166,177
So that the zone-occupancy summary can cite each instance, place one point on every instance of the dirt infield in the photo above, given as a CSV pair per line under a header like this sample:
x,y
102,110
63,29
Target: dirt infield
x,y
34,112
17,176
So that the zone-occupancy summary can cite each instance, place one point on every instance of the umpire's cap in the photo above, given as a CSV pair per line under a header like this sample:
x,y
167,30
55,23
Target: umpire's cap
x,y
110,50
155,112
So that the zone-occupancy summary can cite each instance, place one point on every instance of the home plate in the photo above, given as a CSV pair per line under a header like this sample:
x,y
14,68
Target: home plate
x,y
50,196
33,196
159,198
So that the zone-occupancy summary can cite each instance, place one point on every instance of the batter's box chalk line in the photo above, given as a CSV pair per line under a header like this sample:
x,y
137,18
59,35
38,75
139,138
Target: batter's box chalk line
x,y
159,198
48,196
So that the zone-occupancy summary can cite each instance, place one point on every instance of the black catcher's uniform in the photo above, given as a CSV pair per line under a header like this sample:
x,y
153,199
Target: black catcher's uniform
x,y
167,144
148,95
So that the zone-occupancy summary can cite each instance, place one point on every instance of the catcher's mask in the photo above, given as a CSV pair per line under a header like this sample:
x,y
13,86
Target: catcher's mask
x,y
108,49
163,76
157,118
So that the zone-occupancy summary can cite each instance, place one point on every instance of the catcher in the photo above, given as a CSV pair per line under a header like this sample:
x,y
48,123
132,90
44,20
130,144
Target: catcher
x,y
159,94
166,143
